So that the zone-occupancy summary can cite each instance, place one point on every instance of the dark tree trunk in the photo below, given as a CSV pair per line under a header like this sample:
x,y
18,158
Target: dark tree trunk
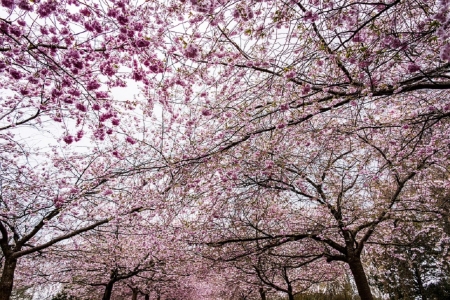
x,y
7,280
262,292
147,297
420,284
360,278
135,294
108,291
290,294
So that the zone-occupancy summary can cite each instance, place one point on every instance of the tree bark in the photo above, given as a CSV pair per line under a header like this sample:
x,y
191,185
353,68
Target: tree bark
x,y
262,292
290,294
147,297
135,294
420,284
7,280
108,291
360,278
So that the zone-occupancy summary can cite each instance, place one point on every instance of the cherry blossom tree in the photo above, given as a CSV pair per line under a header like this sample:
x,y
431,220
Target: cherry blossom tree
x,y
112,261
334,196
266,124
59,61
297,96
41,206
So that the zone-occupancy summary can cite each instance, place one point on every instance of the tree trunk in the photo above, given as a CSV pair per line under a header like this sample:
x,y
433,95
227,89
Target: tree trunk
x,y
108,291
420,284
7,280
135,294
147,297
262,292
360,278
290,294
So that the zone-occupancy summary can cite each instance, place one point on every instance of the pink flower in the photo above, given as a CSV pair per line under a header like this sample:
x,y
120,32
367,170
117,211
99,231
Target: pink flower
x,y
130,140
47,8
284,107
290,74
157,67
142,43
105,116
108,192
85,12
122,20
15,74
59,201
206,112
191,51
413,68
137,76
68,139
310,16
93,85
81,107
268,164
445,52
8,3
25,5
306,89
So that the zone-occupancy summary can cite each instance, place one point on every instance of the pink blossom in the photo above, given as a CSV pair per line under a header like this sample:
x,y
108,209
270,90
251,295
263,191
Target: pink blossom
x,y
291,74
8,3
15,30
268,164
138,76
15,74
284,107
101,95
93,85
130,140
413,68
81,107
306,89
78,64
105,116
25,5
191,51
157,67
59,201
68,139
85,12
47,8
310,16
123,20
142,43
445,52
206,112
67,100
